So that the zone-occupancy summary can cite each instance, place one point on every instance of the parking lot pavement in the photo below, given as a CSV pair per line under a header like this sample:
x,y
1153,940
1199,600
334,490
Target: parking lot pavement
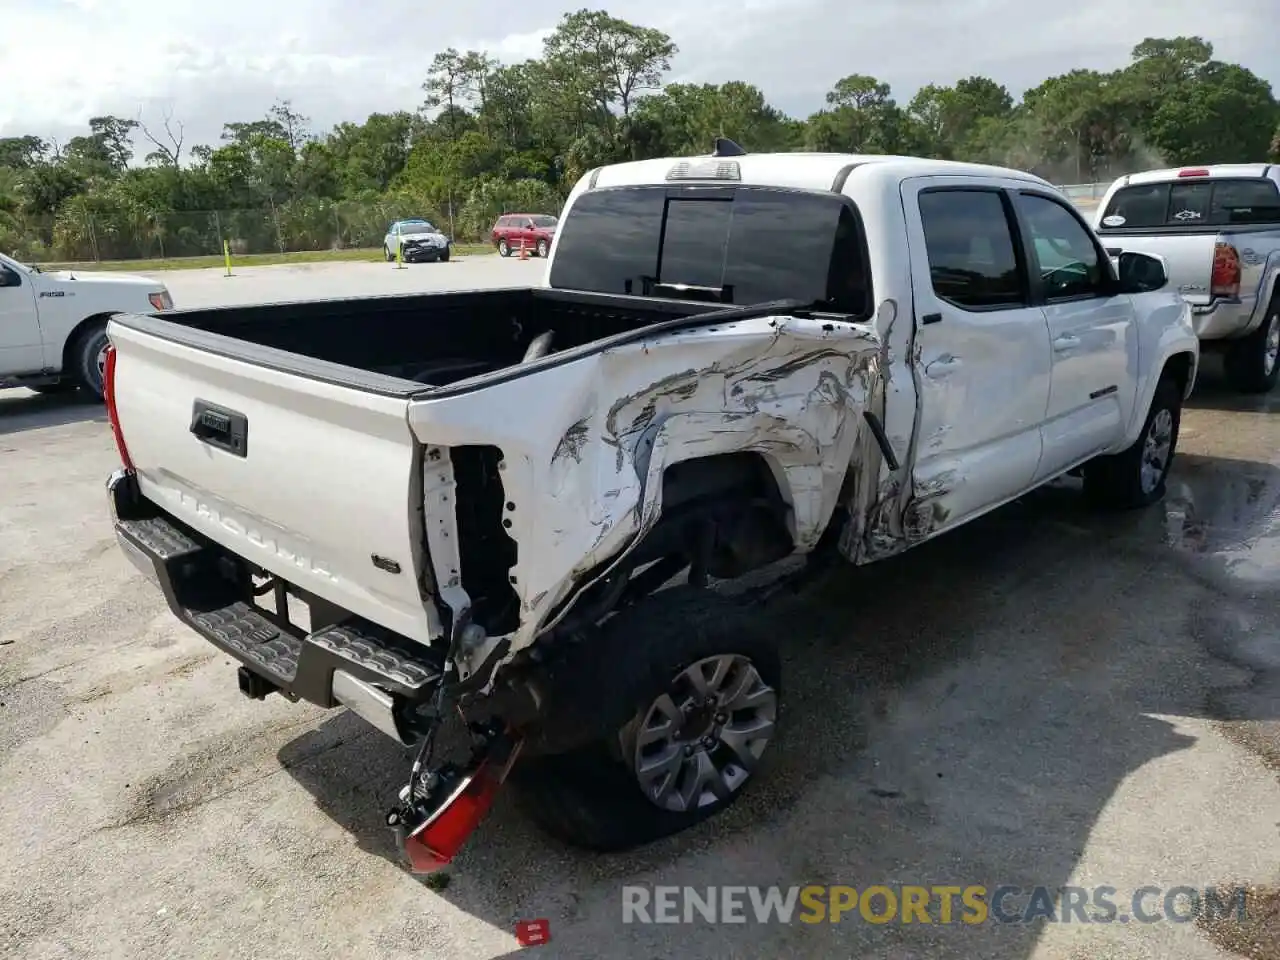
x,y
1043,697
312,281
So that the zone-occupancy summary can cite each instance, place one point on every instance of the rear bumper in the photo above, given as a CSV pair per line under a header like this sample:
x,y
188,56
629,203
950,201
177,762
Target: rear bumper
x,y
376,674
1226,319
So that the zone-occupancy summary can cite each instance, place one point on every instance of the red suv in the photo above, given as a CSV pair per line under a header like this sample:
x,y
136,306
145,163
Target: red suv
x,y
534,230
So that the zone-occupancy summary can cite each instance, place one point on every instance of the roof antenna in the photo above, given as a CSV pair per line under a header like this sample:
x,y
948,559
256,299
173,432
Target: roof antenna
x,y
724,147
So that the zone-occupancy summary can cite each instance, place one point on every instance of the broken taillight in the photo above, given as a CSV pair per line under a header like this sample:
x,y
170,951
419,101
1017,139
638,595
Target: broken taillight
x,y
109,397
437,841
1225,280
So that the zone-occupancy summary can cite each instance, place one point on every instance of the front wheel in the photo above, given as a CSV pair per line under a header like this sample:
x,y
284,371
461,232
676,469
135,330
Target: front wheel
x,y
91,360
388,254
444,255
1136,477
503,249
1253,364
689,690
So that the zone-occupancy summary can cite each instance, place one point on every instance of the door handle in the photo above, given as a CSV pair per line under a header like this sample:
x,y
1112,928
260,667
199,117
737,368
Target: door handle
x,y
1066,342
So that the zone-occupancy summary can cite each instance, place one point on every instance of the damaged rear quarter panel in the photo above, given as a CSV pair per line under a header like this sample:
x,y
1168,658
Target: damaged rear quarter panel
x,y
585,443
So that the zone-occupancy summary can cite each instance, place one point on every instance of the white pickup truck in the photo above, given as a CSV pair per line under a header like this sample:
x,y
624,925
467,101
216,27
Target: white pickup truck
x,y
1218,230
505,503
53,326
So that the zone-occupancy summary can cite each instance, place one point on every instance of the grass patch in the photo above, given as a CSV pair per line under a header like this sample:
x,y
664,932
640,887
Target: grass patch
x,y
372,255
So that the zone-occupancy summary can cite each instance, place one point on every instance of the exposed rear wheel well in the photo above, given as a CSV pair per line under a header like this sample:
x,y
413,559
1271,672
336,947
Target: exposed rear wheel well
x,y
722,516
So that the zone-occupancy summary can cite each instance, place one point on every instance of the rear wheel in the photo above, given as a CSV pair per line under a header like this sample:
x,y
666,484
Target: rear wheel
x,y
1136,477
90,358
1253,363
542,248
503,249
689,692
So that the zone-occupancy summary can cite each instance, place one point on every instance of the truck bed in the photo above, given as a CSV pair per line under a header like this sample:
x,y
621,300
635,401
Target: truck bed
x,y
396,345
282,432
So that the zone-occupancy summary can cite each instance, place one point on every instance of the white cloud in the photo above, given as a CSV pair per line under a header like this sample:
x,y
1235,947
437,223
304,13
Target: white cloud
x,y
62,61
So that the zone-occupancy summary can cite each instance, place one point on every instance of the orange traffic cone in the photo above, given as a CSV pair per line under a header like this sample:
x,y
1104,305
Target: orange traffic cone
x,y
524,249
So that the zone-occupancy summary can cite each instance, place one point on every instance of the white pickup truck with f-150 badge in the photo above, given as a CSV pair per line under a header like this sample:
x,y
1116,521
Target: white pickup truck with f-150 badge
x,y
1218,230
507,504
53,326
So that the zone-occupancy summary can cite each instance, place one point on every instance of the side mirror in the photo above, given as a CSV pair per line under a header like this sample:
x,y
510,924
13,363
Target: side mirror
x,y
1141,272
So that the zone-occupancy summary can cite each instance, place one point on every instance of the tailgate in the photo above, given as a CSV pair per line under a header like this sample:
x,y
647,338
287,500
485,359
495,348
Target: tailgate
x,y
314,481
1189,257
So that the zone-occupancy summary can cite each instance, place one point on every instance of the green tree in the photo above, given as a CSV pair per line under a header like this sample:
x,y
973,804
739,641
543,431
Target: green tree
x,y
948,119
861,117
22,153
1226,114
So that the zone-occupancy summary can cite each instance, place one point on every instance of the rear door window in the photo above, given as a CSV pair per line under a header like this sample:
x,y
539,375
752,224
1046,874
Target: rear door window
x,y
731,245
972,260
1213,202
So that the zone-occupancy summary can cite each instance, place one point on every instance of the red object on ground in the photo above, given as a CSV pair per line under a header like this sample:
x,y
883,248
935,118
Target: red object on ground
x,y
533,933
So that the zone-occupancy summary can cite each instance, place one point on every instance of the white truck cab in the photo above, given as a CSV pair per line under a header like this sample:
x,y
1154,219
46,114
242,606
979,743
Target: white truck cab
x,y
53,325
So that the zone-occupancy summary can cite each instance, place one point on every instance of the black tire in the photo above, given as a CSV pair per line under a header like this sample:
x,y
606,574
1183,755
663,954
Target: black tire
x,y
388,254
1252,364
88,348
503,249
444,255
542,248
1116,482
589,797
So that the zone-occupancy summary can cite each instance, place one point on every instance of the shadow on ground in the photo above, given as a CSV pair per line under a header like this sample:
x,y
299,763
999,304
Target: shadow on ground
x,y
1213,392
24,410
961,714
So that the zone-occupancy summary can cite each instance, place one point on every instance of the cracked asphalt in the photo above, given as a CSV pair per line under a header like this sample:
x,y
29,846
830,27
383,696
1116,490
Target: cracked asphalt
x,y
1044,697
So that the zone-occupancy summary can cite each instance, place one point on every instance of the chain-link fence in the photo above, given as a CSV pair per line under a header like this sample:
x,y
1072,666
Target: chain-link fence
x,y
81,233
1086,196
86,236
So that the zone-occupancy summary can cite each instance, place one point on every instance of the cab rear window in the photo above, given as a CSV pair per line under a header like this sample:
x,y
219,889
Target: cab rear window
x,y
1213,202
738,245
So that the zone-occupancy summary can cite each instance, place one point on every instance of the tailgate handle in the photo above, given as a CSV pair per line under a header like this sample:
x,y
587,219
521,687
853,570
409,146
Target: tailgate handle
x,y
219,427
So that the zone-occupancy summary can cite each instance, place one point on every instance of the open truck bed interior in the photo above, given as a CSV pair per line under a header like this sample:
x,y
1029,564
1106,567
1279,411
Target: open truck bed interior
x,y
431,339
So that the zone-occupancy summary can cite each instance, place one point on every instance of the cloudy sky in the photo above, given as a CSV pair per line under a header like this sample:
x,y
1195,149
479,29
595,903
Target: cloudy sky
x,y
62,61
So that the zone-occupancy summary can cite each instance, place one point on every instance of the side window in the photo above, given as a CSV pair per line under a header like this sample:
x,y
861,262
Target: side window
x,y
972,259
1068,259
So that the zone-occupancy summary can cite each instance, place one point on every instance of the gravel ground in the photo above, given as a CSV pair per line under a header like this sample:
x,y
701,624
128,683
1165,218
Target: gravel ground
x,y
1044,697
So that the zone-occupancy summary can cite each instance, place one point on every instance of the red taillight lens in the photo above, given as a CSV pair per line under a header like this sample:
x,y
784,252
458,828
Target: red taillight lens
x,y
435,843
1194,172
109,397
1225,281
